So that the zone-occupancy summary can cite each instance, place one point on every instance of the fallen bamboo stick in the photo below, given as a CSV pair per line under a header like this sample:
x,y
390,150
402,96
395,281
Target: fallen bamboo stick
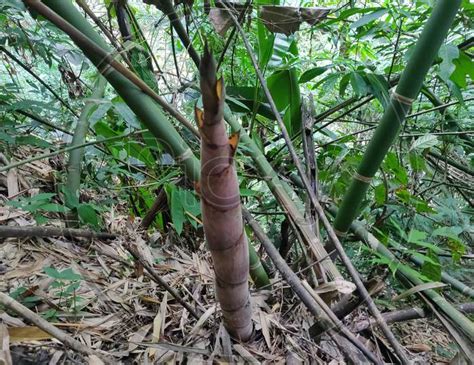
x,y
43,231
41,323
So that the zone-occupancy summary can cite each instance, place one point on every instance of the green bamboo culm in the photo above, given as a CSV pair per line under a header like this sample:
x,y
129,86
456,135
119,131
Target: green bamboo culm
x,y
142,105
257,271
408,88
74,166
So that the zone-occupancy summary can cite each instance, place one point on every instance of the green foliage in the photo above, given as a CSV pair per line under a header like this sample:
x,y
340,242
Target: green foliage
x,y
39,205
184,207
66,283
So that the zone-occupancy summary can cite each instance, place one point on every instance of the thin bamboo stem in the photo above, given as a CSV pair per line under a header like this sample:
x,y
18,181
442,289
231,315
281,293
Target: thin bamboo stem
x,y
408,88
74,166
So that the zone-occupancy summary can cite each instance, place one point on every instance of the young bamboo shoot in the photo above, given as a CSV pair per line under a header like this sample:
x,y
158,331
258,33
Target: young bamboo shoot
x,y
220,205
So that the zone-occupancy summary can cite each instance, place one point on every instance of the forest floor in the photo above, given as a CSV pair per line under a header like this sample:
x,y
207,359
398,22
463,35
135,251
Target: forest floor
x,y
112,306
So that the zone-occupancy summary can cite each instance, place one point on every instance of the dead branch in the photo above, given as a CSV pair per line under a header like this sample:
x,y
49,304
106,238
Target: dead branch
x,y
40,231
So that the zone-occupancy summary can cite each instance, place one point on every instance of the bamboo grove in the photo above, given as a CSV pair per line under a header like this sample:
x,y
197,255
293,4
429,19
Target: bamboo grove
x,y
214,174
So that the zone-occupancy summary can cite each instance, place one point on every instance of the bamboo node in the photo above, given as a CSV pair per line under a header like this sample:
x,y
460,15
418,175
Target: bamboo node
x,y
339,233
402,99
184,156
105,65
365,179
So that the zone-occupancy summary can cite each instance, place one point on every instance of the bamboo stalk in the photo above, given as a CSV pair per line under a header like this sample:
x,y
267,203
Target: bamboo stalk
x,y
403,271
286,197
408,315
74,166
256,269
407,90
138,96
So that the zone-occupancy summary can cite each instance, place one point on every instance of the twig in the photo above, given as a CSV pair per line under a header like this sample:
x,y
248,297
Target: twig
x,y
168,9
138,256
345,259
41,323
232,33
159,203
39,231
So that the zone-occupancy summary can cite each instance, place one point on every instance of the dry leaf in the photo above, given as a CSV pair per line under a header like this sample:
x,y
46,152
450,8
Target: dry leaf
x,y
287,19
94,360
138,337
418,288
28,333
202,320
418,347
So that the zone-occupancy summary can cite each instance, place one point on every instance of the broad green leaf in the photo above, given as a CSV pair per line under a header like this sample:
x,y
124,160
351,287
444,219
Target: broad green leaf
x,y
177,210
378,87
127,114
358,84
417,162
447,53
57,208
311,74
88,215
432,268
379,193
265,45
464,67
284,87
423,142
368,18
343,84
99,113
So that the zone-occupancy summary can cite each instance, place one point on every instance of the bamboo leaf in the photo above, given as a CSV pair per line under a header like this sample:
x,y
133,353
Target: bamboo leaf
x,y
419,288
88,215
283,86
368,18
177,211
